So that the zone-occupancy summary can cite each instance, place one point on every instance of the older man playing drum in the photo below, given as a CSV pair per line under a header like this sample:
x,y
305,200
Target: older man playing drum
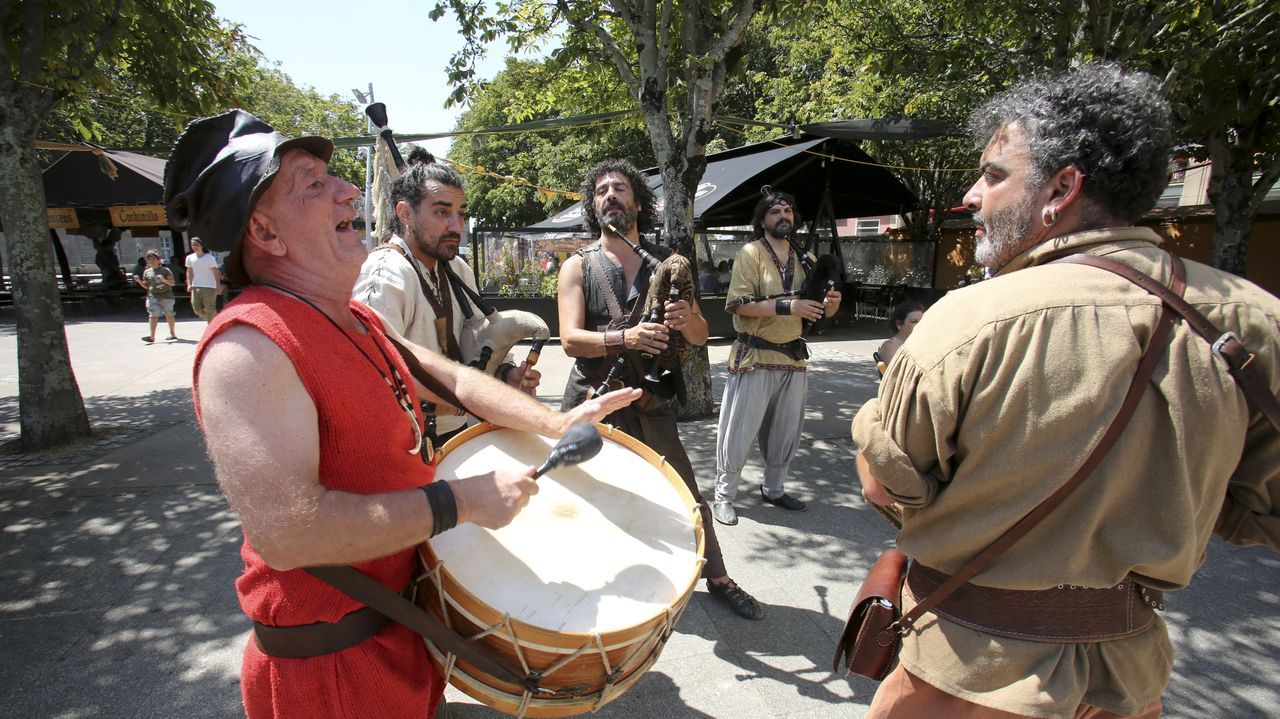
x,y
310,410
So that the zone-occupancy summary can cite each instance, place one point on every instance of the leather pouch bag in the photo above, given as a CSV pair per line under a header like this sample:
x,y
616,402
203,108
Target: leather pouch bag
x,y
869,645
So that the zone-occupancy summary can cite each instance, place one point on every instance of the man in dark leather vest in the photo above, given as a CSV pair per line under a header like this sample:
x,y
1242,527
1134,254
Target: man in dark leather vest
x,y
601,289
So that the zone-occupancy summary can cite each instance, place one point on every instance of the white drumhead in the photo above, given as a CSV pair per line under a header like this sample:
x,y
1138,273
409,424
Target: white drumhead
x,y
603,546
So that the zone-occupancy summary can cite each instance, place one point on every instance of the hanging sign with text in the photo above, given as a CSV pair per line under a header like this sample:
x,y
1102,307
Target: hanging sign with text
x,y
62,217
139,216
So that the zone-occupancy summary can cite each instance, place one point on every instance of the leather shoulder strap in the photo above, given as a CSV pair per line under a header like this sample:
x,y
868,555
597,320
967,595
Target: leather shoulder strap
x,y
1226,345
592,260
374,594
1146,367
427,379
462,289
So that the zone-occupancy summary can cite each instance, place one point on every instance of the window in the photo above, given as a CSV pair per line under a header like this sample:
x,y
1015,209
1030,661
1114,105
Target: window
x,y
865,228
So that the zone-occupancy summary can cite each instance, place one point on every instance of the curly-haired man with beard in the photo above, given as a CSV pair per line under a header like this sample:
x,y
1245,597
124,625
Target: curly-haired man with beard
x,y
1005,388
599,290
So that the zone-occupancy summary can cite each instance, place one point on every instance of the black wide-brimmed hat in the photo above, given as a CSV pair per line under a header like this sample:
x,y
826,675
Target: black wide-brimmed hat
x,y
218,169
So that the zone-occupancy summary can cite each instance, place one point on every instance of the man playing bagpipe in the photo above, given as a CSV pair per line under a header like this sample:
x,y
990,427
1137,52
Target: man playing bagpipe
x,y
405,279
765,392
609,297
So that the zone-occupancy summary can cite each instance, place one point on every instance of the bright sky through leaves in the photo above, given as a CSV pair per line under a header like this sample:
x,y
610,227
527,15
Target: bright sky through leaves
x,y
336,46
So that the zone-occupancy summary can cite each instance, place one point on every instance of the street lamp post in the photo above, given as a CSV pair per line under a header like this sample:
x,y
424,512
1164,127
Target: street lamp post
x,y
369,214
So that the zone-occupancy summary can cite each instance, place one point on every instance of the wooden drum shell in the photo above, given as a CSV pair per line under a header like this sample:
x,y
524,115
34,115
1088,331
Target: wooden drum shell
x,y
573,663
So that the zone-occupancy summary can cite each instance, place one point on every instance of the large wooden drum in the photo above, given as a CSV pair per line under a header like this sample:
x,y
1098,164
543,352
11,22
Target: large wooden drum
x,y
582,589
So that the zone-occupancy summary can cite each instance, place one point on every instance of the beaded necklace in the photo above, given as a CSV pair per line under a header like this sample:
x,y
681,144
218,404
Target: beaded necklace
x,y
399,388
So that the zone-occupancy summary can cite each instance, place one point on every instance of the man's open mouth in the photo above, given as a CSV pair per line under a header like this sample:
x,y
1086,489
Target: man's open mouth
x,y
343,226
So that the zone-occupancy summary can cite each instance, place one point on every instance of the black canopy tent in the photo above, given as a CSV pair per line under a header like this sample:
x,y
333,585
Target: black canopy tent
x,y
83,180
77,179
809,167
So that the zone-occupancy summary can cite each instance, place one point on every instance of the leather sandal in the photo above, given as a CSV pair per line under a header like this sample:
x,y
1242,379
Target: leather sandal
x,y
730,594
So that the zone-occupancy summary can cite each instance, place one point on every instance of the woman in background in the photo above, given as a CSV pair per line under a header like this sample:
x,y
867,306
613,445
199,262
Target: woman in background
x,y
903,319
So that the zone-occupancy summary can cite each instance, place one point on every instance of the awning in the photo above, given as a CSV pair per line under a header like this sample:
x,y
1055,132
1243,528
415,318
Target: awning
x,y
730,186
76,180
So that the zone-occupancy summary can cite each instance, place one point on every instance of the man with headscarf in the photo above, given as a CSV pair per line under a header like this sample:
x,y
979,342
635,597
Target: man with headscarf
x,y
764,395
1006,387
310,413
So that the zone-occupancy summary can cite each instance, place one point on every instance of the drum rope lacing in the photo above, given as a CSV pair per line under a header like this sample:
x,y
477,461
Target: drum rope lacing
x,y
643,651
617,679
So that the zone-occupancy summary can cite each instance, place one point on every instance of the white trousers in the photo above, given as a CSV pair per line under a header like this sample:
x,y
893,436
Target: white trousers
x,y
768,403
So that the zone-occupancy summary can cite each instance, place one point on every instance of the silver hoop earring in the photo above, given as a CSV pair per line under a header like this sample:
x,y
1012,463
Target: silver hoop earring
x,y
1048,216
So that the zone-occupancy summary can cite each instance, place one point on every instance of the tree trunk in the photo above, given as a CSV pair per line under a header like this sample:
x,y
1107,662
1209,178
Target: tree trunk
x,y
50,407
678,214
1230,193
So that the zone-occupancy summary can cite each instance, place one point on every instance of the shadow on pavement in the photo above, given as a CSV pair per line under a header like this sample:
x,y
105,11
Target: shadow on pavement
x,y
117,569
1226,627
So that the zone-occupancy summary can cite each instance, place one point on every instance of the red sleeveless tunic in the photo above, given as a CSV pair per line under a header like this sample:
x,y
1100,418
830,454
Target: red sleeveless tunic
x,y
364,442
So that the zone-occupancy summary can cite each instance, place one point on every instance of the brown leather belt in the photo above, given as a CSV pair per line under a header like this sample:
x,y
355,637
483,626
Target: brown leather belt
x,y
1064,614
312,640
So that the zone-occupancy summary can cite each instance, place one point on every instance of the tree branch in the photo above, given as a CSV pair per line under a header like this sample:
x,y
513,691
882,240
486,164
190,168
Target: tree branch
x,y
607,43
664,43
29,57
626,12
1264,183
109,28
736,31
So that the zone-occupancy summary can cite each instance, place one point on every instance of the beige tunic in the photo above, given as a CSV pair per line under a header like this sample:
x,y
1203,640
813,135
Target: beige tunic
x,y
754,274
1001,393
389,285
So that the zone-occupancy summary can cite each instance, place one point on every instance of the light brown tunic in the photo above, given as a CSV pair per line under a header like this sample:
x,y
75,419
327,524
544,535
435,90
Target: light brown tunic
x,y
754,273
1001,393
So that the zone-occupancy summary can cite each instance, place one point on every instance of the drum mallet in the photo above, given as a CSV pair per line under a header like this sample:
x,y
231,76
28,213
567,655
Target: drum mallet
x,y
580,443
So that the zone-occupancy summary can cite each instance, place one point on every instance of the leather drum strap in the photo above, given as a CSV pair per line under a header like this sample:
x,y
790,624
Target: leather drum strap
x,y
313,640
1146,367
425,377
369,591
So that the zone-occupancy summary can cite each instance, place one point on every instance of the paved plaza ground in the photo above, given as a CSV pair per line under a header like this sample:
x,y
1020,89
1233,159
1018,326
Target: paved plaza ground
x,y
119,558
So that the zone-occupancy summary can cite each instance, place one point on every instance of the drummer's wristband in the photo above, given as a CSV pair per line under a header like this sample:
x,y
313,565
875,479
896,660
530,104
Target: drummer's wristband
x,y
782,307
444,508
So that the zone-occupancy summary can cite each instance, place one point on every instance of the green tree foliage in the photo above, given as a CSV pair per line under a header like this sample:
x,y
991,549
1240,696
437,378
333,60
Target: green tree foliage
x,y
670,58
554,159
124,116
1227,95
939,59
55,54
302,110
844,61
